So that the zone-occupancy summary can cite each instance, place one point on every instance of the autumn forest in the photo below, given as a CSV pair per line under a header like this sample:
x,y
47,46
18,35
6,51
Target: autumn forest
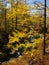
x,y
22,32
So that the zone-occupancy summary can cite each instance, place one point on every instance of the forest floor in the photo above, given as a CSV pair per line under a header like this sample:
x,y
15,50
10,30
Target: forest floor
x,y
28,60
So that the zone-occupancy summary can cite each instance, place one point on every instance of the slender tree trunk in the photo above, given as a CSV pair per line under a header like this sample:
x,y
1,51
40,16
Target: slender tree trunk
x,y
44,50
5,21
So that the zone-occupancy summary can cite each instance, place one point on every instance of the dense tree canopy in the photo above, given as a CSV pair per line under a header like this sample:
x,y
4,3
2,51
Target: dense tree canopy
x,y
21,29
